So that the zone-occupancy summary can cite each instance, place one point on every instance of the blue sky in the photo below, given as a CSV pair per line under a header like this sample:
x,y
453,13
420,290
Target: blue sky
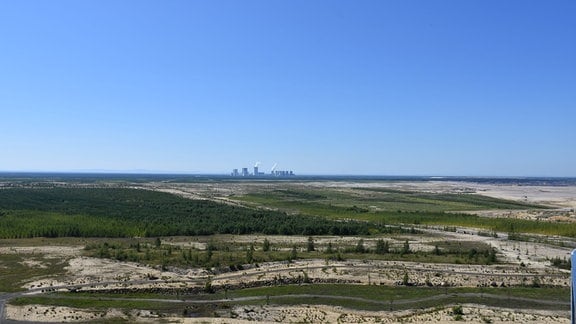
x,y
406,87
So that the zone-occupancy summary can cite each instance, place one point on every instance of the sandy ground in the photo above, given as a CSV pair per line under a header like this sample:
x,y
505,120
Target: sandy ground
x,y
327,314
51,314
550,195
534,256
59,314
100,272
47,251
296,314
84,270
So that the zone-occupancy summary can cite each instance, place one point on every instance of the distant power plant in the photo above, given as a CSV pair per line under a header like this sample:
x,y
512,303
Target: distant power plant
x,y
257,173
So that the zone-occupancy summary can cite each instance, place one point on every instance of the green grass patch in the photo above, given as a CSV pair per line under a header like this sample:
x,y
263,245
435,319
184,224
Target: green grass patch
x,y
378,293
91,303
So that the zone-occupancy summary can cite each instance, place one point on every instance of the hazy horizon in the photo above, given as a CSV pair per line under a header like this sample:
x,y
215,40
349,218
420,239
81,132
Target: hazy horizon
x,y
266,175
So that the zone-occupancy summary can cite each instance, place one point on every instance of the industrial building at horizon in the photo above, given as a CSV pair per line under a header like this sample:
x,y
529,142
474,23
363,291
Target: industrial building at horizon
x,y
257,173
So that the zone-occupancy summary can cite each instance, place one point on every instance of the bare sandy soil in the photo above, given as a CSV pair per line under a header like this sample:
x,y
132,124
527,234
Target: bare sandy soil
x,y
327,314
557,196
524,259
296,314
59,314
48,251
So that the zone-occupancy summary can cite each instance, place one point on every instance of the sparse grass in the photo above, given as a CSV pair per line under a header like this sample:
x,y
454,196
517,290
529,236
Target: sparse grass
x,y
14,272
399,298
94,303
99,303
377,293
221,255
379,199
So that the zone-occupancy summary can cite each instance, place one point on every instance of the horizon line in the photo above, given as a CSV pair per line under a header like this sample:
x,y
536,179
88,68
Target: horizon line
x,y
302,175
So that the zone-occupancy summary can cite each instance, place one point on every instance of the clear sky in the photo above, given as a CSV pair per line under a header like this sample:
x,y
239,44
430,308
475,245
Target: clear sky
x,y
405,87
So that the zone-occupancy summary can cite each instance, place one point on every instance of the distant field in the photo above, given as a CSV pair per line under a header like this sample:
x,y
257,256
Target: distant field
x,y
381,199
283,209
385,206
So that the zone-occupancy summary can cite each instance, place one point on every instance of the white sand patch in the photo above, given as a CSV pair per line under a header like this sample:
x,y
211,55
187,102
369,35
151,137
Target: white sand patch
x,y
188,244
86,270
34,264
47,251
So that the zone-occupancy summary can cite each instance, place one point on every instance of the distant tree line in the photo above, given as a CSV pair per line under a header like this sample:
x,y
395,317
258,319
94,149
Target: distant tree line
x,y
123,212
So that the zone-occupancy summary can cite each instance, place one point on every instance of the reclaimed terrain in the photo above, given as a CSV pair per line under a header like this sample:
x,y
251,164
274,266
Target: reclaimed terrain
x,y
285,251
